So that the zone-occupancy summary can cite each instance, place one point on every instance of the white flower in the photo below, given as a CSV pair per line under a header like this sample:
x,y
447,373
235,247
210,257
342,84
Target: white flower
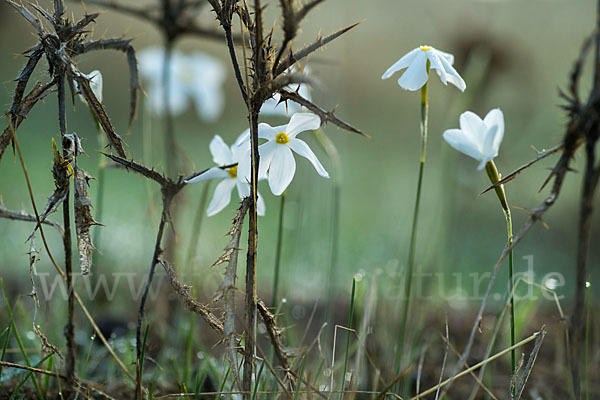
x,y
479,139
227,156
416,75
95,79
273,106
197,76
276,158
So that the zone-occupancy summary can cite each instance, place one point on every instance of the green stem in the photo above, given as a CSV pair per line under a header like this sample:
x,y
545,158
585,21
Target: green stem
x,y
586,363
415,223
494,176
278,252
100,194
193,246
350,315
334,156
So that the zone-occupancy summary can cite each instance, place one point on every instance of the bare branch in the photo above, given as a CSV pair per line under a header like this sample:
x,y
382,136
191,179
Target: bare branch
x,y
311,48
23,216
139,168
326,116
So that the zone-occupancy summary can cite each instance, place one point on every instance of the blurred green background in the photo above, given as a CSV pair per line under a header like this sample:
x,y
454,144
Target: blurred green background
x,y
513,54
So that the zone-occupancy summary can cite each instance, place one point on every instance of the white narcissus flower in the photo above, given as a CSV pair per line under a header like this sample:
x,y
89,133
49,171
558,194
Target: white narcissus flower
x,y
224,155
197,77
95,79
416,75
477,138
276,158
273,106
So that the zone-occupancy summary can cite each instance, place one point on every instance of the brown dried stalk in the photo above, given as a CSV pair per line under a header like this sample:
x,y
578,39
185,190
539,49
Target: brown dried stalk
x,y
23,216
263,84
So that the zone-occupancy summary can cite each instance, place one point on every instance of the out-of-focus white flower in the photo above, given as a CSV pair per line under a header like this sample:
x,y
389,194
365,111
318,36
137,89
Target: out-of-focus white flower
x,y
273,106
477,138
417,75
95,79
197,77
225,156
276,158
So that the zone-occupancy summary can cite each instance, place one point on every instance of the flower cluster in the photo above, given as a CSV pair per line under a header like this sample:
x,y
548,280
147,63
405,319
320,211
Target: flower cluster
x,y
277,162
197,76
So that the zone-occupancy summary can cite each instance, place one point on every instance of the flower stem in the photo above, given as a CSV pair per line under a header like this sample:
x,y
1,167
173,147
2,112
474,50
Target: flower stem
x,y
278,252
99,195
413,235
193,246
494,176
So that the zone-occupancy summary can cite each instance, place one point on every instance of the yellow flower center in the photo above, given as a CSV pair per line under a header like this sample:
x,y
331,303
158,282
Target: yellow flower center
x,y
426,48
232,171
282,138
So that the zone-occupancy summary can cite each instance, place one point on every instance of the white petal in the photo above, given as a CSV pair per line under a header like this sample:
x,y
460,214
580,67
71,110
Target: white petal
x,y
452,76
447,56
266,156
212,173
301,122
221,197
241,146
304,90
473,127
208,69
220,152
210,101
266,131
436,63
495,117
261,207
244,162
457,139
243,138
177,100
243,189
204,79
150,62
96,84
272,106
489,151
416,75
243,171
281,170
300,147
403,62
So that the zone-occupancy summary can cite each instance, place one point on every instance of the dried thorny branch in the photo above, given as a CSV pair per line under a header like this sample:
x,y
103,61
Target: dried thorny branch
x,y
227,288
261,85
67,40
53,260
275,334
529,367
184,291
24,216
172,17
326,116
20,110
83,217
